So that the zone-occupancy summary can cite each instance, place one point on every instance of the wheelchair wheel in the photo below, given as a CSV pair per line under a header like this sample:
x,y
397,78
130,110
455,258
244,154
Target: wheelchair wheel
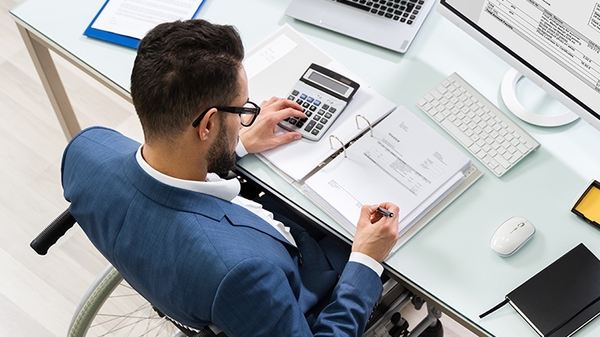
x,y
112,308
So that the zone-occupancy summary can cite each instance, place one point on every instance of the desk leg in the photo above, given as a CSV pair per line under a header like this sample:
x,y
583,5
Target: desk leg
x,y
51,80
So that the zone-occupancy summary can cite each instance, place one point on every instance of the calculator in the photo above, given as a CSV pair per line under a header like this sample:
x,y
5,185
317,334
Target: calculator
x,y
323,95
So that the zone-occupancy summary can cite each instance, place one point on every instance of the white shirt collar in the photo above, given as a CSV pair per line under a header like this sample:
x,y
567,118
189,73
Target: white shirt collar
x,y
214,185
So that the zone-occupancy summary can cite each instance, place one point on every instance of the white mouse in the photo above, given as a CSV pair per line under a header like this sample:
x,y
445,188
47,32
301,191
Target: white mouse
x,y
512,235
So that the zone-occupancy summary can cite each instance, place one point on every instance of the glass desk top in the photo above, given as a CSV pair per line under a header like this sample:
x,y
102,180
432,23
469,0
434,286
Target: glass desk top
x,y
450,259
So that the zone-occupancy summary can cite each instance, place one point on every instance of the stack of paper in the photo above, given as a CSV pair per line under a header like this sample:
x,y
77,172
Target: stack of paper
x,y
404,162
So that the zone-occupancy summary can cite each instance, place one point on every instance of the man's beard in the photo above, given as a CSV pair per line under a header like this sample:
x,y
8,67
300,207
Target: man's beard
x,y
220,158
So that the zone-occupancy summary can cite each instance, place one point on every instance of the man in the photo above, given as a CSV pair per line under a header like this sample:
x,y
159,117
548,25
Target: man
x,y
181,236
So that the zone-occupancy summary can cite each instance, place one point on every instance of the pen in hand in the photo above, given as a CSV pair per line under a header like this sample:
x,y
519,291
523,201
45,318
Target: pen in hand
x,y
385,212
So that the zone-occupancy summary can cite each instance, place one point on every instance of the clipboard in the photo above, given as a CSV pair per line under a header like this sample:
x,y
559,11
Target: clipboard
x,y
119,39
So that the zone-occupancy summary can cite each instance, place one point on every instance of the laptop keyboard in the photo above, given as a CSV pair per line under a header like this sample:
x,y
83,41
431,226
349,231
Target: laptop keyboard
x,y
404,11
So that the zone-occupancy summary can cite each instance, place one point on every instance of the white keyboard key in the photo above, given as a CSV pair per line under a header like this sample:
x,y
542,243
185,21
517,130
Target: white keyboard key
x,y
461,137
483,129
502,161
436,94
522,148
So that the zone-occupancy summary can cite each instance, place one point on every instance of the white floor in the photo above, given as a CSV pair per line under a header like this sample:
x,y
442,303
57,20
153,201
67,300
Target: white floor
x,y
39,294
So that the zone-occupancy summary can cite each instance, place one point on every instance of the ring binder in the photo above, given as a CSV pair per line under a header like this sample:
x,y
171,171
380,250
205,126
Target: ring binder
x,y
366,120
339,140
406,162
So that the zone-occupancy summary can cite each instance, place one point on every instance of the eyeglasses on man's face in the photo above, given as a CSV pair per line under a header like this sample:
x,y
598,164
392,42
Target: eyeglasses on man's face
x,y
248,113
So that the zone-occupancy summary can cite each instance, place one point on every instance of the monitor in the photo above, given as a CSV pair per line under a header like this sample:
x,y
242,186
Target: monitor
x,y
554,43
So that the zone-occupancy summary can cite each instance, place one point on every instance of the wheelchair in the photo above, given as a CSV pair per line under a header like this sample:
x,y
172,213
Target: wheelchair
x,y
113,308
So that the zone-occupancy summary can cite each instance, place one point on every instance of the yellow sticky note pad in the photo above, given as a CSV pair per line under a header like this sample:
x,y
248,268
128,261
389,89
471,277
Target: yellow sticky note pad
x,y
588,205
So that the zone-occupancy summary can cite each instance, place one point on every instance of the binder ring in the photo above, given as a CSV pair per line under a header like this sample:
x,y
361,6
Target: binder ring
x,y
342,143
366,120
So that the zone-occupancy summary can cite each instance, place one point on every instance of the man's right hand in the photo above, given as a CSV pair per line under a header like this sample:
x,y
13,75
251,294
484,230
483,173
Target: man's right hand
x,y
261,135
376,234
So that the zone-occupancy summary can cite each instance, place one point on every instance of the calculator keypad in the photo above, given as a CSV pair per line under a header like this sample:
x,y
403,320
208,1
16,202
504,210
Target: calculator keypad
x,y
319,115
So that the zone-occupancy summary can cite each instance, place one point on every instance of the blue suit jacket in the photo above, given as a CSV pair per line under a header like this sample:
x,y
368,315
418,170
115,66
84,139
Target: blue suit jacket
x,y
201,259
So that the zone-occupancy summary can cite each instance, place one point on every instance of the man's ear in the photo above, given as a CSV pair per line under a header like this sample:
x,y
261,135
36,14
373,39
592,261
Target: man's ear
x,y
208,124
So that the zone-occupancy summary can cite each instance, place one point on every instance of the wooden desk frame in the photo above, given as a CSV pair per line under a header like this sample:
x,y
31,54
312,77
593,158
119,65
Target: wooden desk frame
x,y
39,48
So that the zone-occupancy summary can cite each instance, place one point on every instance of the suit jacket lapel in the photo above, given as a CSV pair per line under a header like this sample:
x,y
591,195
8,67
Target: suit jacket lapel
x,y
194,202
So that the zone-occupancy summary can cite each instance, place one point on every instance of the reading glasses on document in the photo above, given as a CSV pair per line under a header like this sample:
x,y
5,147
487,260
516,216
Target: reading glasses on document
x,y
248,113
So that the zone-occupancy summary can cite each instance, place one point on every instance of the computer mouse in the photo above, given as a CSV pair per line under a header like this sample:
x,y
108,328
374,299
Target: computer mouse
x,y
511,235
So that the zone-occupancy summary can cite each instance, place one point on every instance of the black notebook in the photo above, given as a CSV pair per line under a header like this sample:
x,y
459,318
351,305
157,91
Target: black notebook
x,y
563,297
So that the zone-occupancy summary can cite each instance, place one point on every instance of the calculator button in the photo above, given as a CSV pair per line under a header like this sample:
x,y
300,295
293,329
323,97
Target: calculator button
x,y
299,101
295,92
312,108
319,126
310,125
328,115
299,124
291,98
292,121
323,121
321,112
317,117
303,96
308,113
315,132
317,102
325,106
305,105
332,110
310,99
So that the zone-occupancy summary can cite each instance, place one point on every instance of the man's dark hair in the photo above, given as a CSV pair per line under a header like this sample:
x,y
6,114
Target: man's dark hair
x,y
181,69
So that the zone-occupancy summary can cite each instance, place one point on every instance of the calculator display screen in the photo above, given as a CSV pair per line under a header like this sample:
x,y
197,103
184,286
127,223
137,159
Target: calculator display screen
x,y
328,83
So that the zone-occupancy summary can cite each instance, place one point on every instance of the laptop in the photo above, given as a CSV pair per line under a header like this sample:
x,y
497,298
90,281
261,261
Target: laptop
x,y
391,24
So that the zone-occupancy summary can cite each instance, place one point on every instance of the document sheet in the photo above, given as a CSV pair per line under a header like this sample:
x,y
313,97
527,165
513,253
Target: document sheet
x,y
134,18
404,162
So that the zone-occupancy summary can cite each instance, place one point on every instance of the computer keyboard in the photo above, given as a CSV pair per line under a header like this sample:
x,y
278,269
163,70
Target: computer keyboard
x,y
404,11
477,124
